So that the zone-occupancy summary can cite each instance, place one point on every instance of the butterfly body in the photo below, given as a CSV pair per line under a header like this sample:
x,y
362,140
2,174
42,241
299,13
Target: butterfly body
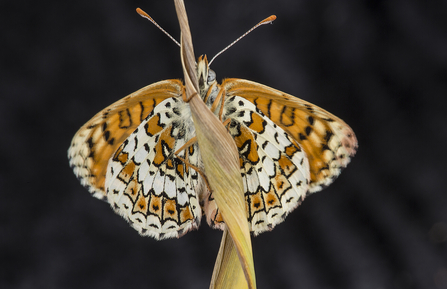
x,y
140,155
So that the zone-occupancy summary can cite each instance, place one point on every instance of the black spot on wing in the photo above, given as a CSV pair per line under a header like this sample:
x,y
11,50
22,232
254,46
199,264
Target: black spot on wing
x,y
308,130
311,120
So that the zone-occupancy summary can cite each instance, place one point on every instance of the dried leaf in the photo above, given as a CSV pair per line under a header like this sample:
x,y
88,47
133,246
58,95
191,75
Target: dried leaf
x,y
228,273
221,161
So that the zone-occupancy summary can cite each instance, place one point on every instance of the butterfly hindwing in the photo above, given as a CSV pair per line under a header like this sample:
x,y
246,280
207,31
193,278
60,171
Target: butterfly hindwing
x,y
327,141
150,185
274,169
96,141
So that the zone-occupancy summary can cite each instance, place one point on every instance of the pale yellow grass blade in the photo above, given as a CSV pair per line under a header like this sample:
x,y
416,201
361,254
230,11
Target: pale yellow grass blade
x,y
219,155
221,161
228,273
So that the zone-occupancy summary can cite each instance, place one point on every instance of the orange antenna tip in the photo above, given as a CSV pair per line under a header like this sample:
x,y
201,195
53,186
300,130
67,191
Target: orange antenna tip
x,y
269,19
142,13
145,15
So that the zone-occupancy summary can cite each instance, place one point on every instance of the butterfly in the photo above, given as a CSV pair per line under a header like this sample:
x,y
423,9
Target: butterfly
x,y
141,155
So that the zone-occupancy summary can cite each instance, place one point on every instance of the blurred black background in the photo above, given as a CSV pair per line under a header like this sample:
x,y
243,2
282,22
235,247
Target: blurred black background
x,y
379,65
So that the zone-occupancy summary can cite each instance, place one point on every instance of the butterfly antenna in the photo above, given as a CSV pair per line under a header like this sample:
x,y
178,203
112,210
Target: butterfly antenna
x,y
145,15
267,20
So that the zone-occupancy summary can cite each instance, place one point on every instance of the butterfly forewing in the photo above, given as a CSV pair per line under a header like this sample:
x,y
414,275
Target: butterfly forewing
x,y
96,141
327,141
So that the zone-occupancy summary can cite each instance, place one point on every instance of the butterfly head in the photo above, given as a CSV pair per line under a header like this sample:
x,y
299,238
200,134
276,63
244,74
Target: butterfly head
x,y
205,75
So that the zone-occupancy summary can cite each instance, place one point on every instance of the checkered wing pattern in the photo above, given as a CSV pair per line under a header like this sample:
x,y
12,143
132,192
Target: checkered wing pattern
x,y
148,183
97,140
274,169
327,141
288,148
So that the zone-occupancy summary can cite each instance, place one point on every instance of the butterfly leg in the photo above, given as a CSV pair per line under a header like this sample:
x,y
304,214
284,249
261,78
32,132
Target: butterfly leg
x,y
186,162
186,145
185,99
226,122
222,105
220,98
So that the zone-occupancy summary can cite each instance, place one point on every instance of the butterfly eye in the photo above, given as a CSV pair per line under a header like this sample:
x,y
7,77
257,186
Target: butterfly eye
x,y
211,76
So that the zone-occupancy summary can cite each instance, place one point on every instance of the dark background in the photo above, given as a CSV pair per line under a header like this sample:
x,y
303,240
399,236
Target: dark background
x,y
379,65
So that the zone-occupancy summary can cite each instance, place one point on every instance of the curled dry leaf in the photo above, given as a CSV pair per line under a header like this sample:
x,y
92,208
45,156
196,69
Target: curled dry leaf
x,y
221,161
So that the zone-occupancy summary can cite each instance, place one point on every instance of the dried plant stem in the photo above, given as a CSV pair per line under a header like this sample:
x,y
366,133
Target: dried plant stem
x,y
221,162
228,273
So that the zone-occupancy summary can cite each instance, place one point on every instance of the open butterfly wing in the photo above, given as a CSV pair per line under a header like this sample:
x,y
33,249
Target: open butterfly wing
x,y
151,186
274,169
288,147
328,141
96,141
